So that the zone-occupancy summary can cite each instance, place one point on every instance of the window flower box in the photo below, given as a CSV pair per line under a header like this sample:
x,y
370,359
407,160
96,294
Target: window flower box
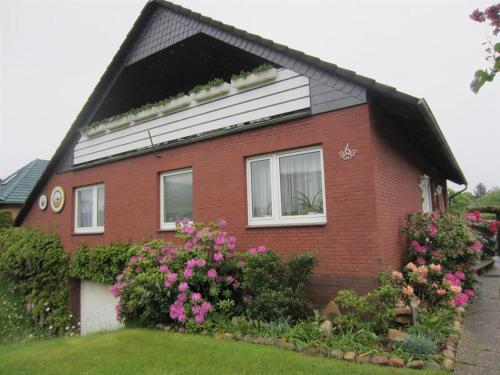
x,y
118,123
93,131
254,79
175,104
211,92
145,115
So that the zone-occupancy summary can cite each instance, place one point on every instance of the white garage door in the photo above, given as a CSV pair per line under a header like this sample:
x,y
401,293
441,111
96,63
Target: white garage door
x,y
97,308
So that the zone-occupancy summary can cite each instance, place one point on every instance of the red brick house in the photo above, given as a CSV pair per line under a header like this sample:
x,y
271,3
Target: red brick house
x,y
299,155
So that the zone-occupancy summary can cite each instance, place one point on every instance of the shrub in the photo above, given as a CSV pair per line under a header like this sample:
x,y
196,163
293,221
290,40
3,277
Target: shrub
x,y
101,264
418,345
275,290
39,268
188,284
442,252
372,311
5,219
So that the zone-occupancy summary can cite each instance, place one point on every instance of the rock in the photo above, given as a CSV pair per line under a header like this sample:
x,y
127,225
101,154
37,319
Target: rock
x,y
454,338
238,336
181,330
331,310
337,354
257,340
228,336
416,364
449,364
448,354
402,319
364,359
204,332
160,326
167,328
247,338
324,352
379,360
403,310
396,362
288,346
326,328
268,341
457,324
311,350
349,356
396,335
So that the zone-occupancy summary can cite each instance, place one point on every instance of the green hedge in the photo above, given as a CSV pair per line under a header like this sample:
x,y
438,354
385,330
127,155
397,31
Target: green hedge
x,y
5,219
103,263
39,268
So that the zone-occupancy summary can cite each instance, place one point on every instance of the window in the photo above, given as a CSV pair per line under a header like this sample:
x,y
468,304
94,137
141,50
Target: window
x,y
89,209
286,188
425,186
176,197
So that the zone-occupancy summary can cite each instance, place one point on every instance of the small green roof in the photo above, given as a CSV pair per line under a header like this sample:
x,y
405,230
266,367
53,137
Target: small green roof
x,y
16,188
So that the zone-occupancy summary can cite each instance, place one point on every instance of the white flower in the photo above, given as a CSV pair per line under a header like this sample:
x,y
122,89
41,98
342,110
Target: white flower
x,y
50,327
47,309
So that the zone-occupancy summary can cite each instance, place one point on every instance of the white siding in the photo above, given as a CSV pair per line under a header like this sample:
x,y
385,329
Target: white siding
x,y
97,308
289,92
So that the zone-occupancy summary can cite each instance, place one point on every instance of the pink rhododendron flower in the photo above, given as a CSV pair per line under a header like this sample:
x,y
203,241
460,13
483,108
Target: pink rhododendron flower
x,y
452,278
188,273
476,247
183,287
222,224
407,291
456,289
253,251
230,279
435,214
219,240
423,270
114,290
441,292
199,319
460,275
435,267
434,285
206,306
494,226
218,256
396,275
433,231
186,221
187,229
411,266
182,298
164,268
418,249
461,299
133,259
470,292
171,277
421,279
421,261
261,249
188,245
212,273
196,297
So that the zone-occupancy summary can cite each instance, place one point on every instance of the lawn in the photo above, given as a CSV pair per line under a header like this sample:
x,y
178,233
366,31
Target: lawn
x,y
142,351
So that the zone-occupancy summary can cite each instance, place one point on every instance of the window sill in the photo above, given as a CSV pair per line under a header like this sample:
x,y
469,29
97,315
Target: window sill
x,y
282,225
166,230
101,232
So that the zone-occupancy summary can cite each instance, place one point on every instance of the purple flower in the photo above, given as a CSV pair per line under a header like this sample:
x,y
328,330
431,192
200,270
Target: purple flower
x,y
421,261
196,297
188,273
206,307
182,298
218,256
201,263
460,275
199,319
476,247
212,273
261,249
164,268
183,287
171,277
433,231
187,229
114,290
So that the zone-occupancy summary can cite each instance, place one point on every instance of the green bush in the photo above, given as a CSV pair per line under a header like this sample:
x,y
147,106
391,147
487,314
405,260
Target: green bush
x,y
372,311
39,268
437,325
5,219
418,345
103,263
275,290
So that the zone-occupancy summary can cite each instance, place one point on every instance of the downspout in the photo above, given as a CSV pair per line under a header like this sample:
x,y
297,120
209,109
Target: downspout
x,y
457,193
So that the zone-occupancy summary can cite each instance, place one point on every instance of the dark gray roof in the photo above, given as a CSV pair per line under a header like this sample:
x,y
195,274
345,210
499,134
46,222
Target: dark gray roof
x,y
16,188
408,105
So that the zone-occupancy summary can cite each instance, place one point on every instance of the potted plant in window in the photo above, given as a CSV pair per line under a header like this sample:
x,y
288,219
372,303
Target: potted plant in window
x,y
212,89
309,206
176,102
258,76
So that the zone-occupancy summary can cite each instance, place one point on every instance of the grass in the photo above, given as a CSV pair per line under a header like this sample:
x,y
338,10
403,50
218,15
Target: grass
x,y
142,351
15,321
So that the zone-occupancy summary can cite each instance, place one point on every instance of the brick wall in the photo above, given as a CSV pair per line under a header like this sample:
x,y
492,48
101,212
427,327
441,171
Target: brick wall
x,y
366,197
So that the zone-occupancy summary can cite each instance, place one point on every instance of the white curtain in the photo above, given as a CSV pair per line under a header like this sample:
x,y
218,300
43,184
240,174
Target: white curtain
x,y
178,197
261,188
301,184
100,206
85,208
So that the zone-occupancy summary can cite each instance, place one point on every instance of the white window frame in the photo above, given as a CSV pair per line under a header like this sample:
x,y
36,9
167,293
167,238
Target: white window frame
x,y
94,228
425,187
170,225
277,218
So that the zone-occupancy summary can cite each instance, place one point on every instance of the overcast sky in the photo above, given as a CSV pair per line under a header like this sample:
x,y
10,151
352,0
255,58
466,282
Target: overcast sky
x,y
53,53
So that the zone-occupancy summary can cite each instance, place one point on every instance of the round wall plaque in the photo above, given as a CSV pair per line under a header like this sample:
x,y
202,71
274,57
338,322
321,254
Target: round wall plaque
x,y
42,202
57,199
